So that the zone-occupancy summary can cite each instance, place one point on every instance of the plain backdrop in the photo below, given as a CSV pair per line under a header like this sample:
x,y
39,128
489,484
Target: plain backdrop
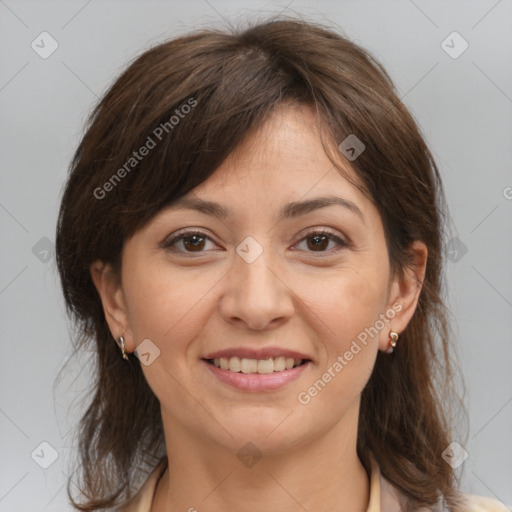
x,y
462,101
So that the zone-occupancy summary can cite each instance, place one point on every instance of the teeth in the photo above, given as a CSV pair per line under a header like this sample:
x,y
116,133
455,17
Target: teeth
x,y
249,366
264,365
237,364
279,364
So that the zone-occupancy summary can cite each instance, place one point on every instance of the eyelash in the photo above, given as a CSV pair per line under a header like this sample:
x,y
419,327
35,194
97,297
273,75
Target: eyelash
x,y
189,234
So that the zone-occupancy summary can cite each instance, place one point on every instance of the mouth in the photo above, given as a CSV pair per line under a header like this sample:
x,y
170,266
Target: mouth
x,y
256,366
257,369
257,375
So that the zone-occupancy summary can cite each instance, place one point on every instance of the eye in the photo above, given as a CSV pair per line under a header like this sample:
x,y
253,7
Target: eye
x,y
194,241
318,241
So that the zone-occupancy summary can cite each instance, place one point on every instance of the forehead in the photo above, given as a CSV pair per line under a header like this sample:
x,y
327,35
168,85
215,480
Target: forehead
x,y
288,143
283,163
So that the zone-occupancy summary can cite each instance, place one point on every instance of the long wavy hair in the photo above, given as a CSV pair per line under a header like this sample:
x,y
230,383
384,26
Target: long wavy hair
x,y
232,80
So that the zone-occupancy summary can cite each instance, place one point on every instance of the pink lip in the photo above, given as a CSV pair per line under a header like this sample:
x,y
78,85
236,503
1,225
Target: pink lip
x,y
257,381
256,353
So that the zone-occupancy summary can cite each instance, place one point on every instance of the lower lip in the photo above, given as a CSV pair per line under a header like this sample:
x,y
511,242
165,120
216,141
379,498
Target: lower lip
x,y
257,381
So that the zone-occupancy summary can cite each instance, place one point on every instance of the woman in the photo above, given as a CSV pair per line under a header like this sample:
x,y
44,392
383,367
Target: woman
x,y
257,222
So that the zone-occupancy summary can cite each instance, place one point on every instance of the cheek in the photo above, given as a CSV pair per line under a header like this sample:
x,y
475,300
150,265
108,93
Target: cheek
x,y
346,309
168,307
346,301
163,304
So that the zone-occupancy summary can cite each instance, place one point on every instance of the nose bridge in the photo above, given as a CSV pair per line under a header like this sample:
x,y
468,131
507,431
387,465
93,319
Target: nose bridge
x,y
254,265
256,294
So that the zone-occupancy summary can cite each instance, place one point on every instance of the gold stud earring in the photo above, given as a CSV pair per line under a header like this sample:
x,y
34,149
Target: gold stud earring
x,y
393,338
120,342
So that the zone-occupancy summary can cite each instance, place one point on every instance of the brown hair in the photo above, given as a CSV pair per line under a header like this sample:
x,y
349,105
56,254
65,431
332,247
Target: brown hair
x,y
232,81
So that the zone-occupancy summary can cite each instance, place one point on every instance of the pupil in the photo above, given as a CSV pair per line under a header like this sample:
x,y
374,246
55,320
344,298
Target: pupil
x,y
194,240
319,240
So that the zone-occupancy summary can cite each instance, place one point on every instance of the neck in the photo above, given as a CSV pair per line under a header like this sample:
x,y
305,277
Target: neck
x,y
321,474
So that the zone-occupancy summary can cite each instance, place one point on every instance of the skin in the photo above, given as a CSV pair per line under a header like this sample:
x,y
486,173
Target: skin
x,y
313,300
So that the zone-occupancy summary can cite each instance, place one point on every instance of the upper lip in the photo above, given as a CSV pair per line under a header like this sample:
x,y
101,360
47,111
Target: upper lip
x,y
256,353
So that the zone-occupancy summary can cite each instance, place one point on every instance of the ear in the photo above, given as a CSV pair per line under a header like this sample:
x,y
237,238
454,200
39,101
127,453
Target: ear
x,y
108,284
404,293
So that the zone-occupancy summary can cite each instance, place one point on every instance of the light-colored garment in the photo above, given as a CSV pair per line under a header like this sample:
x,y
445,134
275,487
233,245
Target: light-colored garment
x,y
384,497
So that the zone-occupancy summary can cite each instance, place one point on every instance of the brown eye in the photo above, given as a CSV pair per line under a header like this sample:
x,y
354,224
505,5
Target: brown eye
x,y
195,242
192,242
318,241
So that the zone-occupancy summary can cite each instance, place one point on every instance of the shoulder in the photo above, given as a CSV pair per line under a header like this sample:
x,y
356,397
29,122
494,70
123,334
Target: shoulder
x,y
476,503
385,497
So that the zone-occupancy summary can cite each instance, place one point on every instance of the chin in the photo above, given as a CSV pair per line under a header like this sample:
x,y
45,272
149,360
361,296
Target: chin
x,y
270,431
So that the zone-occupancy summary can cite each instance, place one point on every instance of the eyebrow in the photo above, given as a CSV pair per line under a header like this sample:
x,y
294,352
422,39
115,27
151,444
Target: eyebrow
x,y
290,210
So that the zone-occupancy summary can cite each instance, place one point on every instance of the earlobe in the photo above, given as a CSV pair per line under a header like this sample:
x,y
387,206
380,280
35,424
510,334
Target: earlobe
x,y
108,285
404,296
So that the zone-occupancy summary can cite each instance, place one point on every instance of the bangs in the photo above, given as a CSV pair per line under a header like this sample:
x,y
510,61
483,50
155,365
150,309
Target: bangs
x,y
181,133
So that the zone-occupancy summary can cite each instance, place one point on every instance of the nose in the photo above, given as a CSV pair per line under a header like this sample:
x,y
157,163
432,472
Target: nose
x,y
256,293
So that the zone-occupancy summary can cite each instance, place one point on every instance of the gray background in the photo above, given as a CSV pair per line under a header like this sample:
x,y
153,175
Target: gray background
x,y
464,108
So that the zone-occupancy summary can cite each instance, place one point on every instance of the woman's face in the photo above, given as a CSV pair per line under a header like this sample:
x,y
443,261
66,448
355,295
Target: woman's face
x,y
261,277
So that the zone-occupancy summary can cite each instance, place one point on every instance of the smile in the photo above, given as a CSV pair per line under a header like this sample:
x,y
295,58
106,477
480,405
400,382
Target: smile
x,y
261,366
257,374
